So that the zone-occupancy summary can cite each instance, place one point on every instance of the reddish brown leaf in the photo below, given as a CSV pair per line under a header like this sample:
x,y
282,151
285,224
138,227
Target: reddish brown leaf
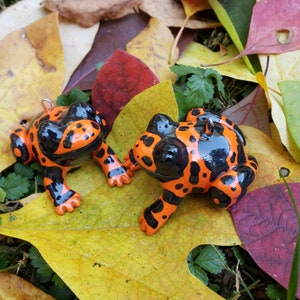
x,y
112,35
121,77
274,27
267,225
251,111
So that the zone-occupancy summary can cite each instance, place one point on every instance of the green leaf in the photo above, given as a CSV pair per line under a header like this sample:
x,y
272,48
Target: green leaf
x,y
239,255
57,281
73,95
4,262
44,272
24,170
290,90
199,273
211,73
195,87
183,70
199,90
15,186
211,259
203,259
2,195
99,65
275,292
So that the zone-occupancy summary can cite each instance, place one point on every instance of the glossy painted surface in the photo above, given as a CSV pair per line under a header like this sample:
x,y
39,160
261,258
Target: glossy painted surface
x,y
205,153
62,138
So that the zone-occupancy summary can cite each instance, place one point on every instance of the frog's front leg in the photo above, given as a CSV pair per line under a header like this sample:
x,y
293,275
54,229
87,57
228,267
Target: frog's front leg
x,y
158,213
116,173
233,184
130,162
64,199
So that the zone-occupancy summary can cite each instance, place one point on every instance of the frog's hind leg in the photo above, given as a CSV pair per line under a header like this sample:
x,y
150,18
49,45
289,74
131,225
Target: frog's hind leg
x,y
64,199
233,184
158,213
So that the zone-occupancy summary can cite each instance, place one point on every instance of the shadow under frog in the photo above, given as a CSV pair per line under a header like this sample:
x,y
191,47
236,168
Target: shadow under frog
x,y
62,138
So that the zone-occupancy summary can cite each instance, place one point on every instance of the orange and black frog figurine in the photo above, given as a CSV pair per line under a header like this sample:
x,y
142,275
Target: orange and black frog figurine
x,y
62,138
205,153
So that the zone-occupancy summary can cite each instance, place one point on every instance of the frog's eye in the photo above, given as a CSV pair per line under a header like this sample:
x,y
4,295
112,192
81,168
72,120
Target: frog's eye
x,y
19,145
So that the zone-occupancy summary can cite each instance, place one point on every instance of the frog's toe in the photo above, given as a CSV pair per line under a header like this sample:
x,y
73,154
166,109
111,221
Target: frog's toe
x,y
144,226
130,162
120,179
68,205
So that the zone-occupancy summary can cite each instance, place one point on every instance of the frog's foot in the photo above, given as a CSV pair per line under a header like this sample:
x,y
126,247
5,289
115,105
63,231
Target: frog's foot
x,y
232,185
129,161
68,205
155,216
119,176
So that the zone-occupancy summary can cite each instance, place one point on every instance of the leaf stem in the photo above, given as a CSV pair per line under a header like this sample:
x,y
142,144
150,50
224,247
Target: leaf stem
x,y
175,42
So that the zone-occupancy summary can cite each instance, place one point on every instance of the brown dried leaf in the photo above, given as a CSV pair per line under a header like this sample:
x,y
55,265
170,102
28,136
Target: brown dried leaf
x,y
14,287
172,14
88,13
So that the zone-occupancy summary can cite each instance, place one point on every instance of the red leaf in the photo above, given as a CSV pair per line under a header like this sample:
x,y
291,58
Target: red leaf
x,y
267,225
251,111
274,27
112,35
122,77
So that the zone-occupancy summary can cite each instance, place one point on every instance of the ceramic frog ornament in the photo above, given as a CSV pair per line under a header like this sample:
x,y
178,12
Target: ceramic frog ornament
x,y
205,153
62,138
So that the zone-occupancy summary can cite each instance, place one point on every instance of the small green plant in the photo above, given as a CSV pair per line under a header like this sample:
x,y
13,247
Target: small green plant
x,y
198,87
19,182
231,272
204,260
71,96
275,292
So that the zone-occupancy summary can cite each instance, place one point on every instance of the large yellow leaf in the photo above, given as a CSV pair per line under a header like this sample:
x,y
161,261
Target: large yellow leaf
x,y
197,54
270,158
281,67
153,45
99,250
31,68
76,40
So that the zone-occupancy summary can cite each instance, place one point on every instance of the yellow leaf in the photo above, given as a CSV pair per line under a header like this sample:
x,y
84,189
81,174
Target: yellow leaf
x,y
32,68
192,6
13,287
270,158
281,67
197,54
99,250
153,45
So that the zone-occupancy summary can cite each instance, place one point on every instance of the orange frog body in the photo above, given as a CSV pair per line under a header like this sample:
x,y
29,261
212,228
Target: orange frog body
x,y
62,138
205,153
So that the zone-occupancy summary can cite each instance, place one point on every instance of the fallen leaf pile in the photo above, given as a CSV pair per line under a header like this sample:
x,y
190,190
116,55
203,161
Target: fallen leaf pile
x,y
99,250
